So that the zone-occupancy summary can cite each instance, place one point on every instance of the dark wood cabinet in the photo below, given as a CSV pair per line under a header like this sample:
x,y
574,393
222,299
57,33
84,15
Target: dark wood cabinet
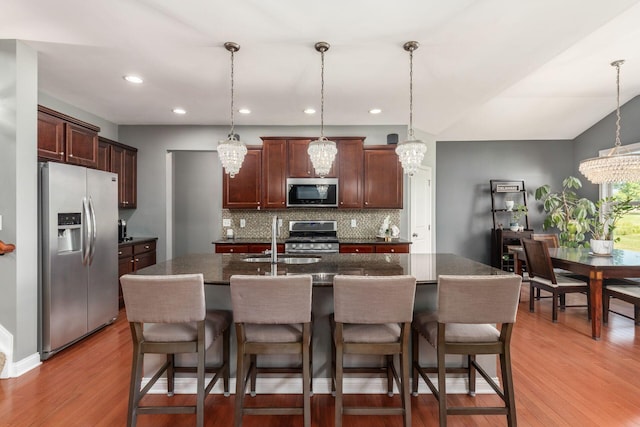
x,y
274,174
356,249
350,166
352,248
132,257
500,241
244,248
122,161
66,139
300,165
244,191
382,178
104,155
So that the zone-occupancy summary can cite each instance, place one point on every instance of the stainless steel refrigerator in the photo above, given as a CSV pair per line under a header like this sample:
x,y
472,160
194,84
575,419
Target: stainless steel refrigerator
x,y
78,253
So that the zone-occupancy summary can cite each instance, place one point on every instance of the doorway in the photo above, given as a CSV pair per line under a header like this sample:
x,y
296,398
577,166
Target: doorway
x,y
420,197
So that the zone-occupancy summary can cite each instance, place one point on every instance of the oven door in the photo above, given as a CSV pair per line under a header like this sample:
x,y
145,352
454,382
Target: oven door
x,y
312,192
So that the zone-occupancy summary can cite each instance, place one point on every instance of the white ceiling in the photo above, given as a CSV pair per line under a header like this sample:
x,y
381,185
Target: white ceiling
x,y
485,69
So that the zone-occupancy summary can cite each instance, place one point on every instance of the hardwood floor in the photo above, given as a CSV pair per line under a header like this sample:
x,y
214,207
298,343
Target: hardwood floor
x,y
562,378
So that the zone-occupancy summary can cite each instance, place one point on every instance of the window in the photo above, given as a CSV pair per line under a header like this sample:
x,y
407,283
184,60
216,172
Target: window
x,y
628,228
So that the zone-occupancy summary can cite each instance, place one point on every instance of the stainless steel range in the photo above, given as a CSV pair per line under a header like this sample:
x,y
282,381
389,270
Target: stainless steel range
x,y
312,237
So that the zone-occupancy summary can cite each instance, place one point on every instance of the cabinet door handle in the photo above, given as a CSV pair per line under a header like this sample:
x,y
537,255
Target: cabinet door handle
x,y
137,260
119,252
392,250
132,261
366,203
357,250
70,155
62,153
231,250
146,246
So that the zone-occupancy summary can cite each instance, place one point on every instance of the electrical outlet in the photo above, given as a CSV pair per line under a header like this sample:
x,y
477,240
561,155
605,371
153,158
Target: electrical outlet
x,y
354,223
279,222
226,222
243,222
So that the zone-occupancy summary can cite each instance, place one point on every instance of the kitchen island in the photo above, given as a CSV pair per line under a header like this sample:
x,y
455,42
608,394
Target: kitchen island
x,y
218,268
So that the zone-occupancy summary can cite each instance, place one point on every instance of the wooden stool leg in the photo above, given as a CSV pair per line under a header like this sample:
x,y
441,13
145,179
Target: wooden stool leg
x,y
415,359
605,308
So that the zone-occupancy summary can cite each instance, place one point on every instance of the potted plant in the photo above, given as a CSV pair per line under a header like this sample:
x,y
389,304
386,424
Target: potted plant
x,y
567,212
608,212
517,212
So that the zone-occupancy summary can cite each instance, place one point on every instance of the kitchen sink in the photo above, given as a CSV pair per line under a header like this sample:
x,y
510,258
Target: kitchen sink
x,y
284,259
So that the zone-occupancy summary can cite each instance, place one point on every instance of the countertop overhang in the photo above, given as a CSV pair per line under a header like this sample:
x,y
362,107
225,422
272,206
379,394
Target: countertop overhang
x,y
218,268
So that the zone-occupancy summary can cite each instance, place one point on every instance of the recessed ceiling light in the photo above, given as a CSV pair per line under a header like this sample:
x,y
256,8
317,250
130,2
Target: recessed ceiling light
x,y
179,111
309,111
133,79
244,111
375,111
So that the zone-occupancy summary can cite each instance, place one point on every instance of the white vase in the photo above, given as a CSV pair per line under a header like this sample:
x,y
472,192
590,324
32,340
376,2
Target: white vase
x,y
601,247
509,205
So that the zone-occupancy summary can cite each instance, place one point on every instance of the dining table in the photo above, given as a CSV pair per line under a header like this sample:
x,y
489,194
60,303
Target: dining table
x,y
620,264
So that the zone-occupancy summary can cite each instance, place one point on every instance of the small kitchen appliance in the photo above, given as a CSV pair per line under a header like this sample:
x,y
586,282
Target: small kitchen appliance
x,y
312,237
122,230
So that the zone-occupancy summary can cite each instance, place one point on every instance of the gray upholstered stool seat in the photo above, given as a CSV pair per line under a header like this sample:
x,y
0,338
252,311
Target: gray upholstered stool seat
x,y
272,315
167,315
464,324
372,316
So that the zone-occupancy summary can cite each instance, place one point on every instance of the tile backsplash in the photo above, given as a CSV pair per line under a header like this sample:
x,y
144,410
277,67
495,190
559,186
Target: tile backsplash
x,y
258,223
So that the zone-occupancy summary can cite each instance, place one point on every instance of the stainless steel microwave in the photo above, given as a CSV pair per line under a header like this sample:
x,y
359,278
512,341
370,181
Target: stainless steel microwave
x,y
312,192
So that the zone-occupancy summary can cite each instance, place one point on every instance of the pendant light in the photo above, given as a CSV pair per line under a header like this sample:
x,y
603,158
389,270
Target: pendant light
x,y
322,151
411,152
618,165
232,151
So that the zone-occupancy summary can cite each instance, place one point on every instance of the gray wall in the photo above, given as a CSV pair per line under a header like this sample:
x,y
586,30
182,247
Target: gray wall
x,y
18,195
602,136
463,207
196,208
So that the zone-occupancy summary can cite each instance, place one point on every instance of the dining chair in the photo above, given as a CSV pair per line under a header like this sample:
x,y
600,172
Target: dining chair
x,y
272,315
167,315
464,323
625,292
372,316
542,276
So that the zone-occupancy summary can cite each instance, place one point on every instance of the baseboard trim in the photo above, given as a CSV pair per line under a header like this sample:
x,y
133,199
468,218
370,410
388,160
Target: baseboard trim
x,y
15,369
291,385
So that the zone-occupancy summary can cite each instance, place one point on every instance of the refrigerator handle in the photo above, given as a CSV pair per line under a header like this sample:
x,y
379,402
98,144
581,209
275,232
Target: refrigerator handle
x,y
86,231
94,231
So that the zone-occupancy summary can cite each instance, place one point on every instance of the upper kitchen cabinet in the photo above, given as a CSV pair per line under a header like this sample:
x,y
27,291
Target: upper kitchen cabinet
x,y
382,178
244,191
274,173
122,160
300,165
63,138
350,165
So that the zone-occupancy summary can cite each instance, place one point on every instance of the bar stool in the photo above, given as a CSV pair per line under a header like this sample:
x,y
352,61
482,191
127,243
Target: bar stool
x,y
272,315
372,316
468,308
167,315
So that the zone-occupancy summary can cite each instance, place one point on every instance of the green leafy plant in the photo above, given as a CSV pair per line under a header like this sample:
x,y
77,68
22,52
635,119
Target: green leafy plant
x,y
518,212
567,212
608,212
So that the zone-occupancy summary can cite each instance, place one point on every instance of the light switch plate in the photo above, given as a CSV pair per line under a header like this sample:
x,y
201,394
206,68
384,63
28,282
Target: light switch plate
x,y
226,222
243,222
0,222
354,223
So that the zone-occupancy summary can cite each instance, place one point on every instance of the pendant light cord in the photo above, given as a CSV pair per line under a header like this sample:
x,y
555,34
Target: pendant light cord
x,y
232,135
617,65
411,137
322,94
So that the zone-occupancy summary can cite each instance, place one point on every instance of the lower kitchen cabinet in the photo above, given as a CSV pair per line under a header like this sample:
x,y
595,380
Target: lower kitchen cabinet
x,y
398,248
251,248
133,256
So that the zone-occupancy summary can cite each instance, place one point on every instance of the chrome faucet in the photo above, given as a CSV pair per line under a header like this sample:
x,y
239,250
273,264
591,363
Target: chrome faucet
x,y
274,235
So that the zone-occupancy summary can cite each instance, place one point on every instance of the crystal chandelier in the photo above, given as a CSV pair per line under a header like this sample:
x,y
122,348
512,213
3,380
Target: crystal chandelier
x,y
322,151
411,152
618,165
232,151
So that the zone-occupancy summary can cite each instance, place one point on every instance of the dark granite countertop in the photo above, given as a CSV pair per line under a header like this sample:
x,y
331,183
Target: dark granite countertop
x,y
248,241
218,268
136,240
376,240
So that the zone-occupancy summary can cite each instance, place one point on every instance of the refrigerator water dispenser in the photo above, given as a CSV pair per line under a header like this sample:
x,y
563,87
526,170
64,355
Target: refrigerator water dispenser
x,y
69,232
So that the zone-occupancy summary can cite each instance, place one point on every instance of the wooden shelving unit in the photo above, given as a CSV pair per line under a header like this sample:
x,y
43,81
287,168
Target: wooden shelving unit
x,y
501,236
